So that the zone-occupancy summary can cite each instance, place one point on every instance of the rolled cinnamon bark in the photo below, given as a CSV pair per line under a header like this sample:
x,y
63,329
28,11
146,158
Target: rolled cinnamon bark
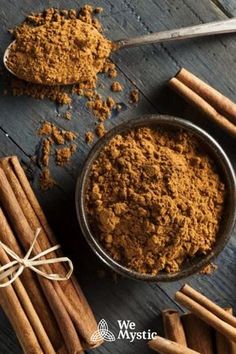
x,y
223,344
173,326
210,305
194,99
25,236
198,334
165,346
71,295
205,314
37,328
220,102
19,321
32,287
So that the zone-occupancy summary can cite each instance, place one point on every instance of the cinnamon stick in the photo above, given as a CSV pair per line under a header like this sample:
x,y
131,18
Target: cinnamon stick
x,y
37,328
25,235
166,346
173,326
220,102
19,321
198,334
194,99
210,305
71,295
205,311
223,344
30,283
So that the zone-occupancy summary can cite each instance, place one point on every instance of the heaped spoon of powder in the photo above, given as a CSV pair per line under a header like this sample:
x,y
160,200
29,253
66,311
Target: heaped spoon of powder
x,y
63,47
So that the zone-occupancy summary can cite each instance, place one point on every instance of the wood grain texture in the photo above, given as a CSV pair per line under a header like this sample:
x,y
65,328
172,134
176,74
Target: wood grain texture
x,y
147,68
227,6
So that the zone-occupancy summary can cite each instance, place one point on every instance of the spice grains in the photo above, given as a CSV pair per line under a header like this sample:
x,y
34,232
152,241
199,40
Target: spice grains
x,y
55,48
154,200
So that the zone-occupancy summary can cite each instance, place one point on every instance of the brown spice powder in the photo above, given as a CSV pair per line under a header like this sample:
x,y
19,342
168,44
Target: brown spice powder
x,y
100,108
59,50
46,180
40,92
56,136
110,69
100,130
134,96
98,10
63,155
46,150
116,87
68,115
89,137
45,129
56,18
154,200
209,269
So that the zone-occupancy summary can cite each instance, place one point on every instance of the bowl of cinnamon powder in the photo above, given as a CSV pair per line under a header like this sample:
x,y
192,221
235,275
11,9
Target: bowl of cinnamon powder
x,y
156,199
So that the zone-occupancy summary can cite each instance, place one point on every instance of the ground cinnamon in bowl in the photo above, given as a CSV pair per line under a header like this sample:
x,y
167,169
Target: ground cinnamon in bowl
x,y
154,199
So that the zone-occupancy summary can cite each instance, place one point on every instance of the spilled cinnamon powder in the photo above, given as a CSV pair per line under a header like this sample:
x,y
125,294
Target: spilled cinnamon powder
x,y
46,180
63,155
89,137
52,135
100,130
54,93
154,200
100,108
46,151
59,136
116,87
134,96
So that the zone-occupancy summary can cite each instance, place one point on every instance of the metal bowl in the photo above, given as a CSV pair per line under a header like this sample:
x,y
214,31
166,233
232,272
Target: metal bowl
x,y
224,166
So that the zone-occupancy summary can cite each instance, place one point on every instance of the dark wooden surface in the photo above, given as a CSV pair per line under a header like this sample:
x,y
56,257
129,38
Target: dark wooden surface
x,y
147,68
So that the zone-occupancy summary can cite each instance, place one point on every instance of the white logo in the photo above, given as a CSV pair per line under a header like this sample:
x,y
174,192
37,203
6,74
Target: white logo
x,y
127,331
103,333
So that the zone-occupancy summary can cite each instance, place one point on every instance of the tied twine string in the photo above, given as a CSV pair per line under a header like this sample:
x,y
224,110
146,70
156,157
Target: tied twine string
x,y
16,267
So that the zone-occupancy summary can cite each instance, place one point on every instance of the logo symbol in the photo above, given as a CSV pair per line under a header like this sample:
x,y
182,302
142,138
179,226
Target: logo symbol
x,y
103,333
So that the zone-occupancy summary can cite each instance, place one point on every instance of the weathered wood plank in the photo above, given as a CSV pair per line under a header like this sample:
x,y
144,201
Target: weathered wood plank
x,y
8,339
227,6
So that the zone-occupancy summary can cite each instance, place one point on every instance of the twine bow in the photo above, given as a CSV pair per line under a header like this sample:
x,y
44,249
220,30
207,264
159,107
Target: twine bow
x,y
16,267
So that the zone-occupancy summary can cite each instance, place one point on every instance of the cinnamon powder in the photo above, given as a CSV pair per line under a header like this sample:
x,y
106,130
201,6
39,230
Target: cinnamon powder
x,y
134,96
89,137
154,200
46,180
102,109
116,86
55,49
100,130
63,155
56,30
52,135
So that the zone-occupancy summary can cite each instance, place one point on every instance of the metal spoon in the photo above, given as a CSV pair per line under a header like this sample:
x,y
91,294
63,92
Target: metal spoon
x,y
206,29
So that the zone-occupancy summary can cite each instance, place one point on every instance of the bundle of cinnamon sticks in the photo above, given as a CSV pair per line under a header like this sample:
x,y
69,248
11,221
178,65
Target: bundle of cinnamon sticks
x,y
47,316
207,329
220,109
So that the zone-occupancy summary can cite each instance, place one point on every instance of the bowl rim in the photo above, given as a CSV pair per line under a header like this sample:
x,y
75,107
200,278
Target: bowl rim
x,y
226,170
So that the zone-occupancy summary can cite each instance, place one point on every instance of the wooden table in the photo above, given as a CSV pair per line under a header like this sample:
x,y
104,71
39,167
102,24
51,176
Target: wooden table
x,y
146,68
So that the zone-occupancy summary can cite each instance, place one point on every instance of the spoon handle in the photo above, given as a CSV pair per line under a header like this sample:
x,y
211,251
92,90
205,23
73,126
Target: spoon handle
x,y
206,29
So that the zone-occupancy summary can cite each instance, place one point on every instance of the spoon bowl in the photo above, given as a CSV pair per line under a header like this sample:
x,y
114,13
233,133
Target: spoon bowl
x,y
206,29
6,55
